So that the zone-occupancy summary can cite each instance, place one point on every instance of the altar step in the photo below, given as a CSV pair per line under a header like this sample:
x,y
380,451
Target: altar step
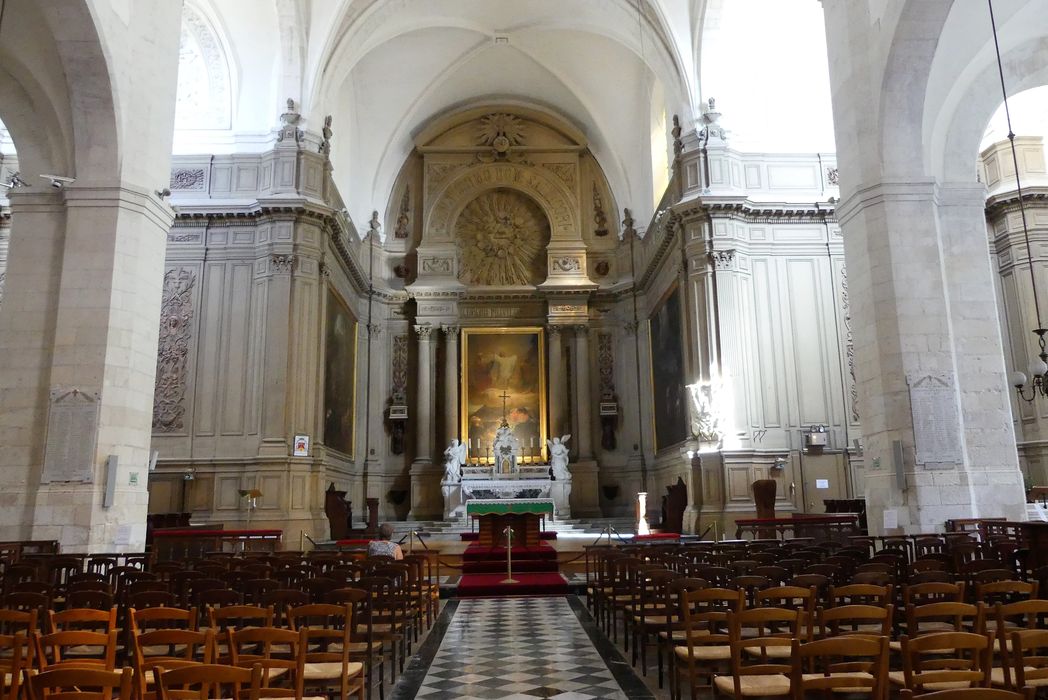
x,y
568,527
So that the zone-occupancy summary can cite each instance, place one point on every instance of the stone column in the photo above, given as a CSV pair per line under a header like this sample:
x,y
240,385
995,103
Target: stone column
x,y
81,311
425,419
583,396
925,317
451,384
557,388
426,499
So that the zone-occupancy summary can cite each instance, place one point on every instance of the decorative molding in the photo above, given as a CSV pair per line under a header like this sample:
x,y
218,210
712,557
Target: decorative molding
x,y
565,171
501,238
538,184
606,364
187,179
402,229
436,266
833,176
849,346
500,132
281,264
325,270
439,173
567,309
424,332
630,327
3,279
176,314
399,365
490,312
723,259
451,331
566,264
602,268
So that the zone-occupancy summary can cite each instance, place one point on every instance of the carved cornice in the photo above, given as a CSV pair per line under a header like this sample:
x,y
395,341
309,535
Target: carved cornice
x,y
1007,202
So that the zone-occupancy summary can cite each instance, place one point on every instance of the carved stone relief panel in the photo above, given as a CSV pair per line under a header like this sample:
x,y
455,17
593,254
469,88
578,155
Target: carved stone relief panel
x,y
502,236
849,347
176,315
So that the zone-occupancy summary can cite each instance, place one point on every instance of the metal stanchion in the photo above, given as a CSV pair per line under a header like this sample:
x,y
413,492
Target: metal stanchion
x,y
508,532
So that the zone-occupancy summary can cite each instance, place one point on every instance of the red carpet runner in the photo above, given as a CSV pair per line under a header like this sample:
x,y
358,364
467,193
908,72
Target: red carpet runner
x,y
534,568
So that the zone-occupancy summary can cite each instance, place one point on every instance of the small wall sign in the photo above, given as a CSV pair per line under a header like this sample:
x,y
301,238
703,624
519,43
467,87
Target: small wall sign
x,y
301,448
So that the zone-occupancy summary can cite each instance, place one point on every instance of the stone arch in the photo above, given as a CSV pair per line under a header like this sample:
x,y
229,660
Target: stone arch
x,y
1026,66
904,89
543,187
204,98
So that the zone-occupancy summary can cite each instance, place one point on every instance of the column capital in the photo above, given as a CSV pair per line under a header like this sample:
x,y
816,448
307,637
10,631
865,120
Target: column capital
x,y
451,331
424,331
581,330
555,329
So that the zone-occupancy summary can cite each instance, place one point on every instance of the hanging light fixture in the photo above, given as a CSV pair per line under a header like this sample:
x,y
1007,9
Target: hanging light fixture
x,y
1038,367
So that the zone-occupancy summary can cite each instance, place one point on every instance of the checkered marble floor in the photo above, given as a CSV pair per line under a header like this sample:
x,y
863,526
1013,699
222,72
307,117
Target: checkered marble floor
x,y
517,649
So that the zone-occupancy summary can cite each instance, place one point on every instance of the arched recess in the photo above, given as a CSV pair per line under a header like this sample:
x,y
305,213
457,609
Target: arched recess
x,y
545,189
205,84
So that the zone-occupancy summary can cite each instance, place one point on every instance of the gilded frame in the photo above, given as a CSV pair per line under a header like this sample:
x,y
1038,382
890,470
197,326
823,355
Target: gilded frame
x,y
479,336
673,291
336,298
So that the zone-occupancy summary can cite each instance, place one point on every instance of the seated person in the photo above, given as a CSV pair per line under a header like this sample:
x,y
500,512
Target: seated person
x,y
383,546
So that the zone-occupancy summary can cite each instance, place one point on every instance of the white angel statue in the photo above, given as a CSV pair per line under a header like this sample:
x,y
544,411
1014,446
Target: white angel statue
x,y
558,457
454,458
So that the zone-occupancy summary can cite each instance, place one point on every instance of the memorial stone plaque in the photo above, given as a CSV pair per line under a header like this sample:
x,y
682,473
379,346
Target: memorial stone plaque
x,y
936,422
72,433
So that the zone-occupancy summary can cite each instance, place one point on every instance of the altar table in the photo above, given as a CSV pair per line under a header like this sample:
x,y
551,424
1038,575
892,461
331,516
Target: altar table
x,y
520,514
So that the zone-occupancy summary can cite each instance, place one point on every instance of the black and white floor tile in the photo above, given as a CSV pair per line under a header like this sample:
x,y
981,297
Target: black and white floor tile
x,y
519,649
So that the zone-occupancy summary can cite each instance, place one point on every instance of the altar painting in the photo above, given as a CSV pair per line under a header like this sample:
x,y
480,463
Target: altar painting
x,y
669,410
503,365
340,351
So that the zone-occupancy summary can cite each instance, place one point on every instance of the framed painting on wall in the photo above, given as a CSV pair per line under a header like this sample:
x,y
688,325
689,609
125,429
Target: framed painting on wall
x,y
503,375
340,372
669,398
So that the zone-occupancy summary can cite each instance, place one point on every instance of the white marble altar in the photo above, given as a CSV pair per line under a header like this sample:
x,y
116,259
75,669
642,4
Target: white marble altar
x,y
504,478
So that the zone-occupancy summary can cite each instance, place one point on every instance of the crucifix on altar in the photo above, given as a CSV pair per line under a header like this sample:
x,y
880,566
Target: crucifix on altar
x,y
506,445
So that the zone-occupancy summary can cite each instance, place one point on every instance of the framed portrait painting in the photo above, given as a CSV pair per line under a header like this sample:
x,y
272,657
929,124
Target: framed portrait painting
x,y
503,376
340,373
669,400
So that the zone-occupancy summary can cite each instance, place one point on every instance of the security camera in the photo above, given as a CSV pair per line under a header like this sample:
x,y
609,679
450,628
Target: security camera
x,y
59,182
164,193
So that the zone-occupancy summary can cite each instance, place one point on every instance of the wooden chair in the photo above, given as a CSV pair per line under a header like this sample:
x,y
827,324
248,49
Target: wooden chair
x,y
860,594
15,621
844,664
151,599
706,636
80,684
650,612
971,694
82,619
943,661
363,645
75,648
328,643
166,649
382,616
850,620
938,592
1011,617
14,657
209,682
759,677
162,618
281,598
280,653
1005,591
1026,661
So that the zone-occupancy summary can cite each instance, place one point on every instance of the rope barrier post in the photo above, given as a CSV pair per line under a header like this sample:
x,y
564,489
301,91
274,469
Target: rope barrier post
x,y
508,531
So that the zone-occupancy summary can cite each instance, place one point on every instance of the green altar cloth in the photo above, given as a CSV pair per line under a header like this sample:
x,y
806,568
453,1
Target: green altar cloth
x,y
517,506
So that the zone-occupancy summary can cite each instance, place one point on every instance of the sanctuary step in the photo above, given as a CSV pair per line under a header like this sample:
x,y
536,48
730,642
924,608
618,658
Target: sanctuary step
x,y
568,527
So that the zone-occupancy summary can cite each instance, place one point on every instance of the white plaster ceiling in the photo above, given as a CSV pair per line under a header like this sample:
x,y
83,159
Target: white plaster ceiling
x,y
385,68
